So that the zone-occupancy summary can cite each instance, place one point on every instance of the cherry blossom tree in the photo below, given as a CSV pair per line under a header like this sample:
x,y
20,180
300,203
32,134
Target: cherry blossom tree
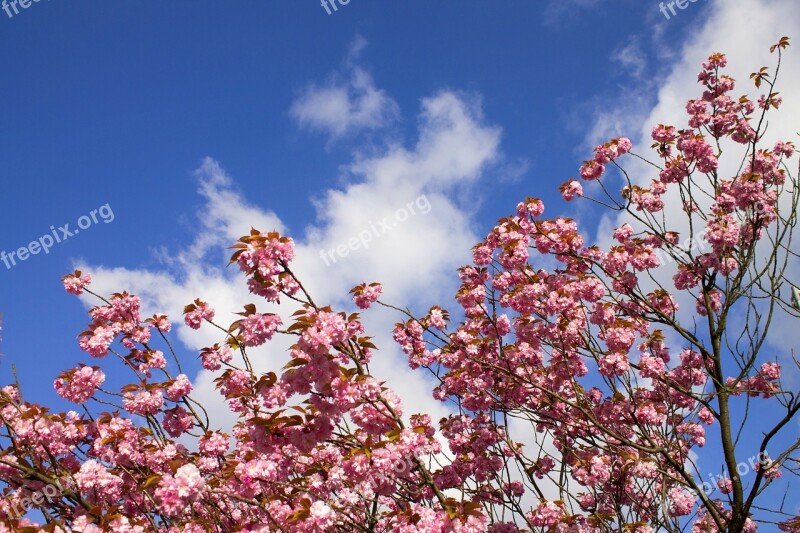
x,y
583,395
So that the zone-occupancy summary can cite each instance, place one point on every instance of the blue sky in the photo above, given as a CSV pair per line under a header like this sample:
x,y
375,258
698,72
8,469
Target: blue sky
x,y
118,103
317,124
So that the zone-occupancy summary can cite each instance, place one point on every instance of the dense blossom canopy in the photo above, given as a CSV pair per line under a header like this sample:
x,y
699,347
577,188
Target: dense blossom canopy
x,y
579,396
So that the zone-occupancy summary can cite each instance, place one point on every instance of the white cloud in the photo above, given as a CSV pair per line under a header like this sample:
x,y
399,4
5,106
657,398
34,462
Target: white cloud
x,y
416,259
631,57
344,106
453,150
227,215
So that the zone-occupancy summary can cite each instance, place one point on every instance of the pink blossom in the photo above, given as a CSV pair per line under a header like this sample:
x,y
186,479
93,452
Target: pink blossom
x,y
650,414
571,189
437,318
174,493
651,367
665,134
75,283
547,514
623,233
544,333
179,388
213,357
619,338
79,384
592,170
161,323
97,482
177,421
725,485
531,207
681,502
784,149
365,295
714,302
706,416
98,343
214,444
624,145
613,364
256,328
771,471
196,312
146,402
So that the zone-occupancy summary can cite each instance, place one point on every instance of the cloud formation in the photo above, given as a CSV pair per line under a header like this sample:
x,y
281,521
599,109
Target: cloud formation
x,y
347,103
416,260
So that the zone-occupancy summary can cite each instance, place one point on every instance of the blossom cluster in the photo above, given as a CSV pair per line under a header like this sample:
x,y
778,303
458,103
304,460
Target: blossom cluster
x,y
578,351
